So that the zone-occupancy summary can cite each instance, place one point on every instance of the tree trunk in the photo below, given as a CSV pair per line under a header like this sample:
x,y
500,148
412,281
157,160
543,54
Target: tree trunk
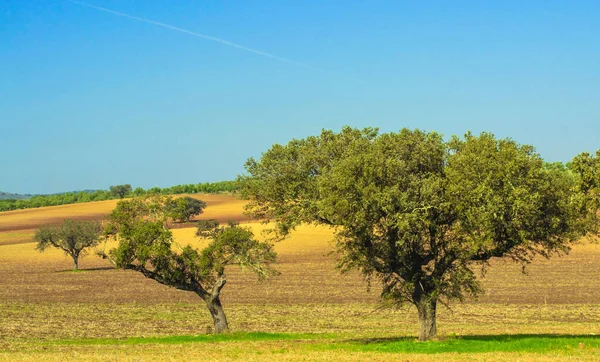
x,y
218,315
427,310
75,262
213,302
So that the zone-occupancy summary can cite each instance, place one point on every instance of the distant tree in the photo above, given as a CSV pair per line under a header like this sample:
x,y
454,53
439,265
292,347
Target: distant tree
x,y
154,191
177,189
120,190
139,192
189,189
413,211
72,237
202,225
146,245
558,166
184,208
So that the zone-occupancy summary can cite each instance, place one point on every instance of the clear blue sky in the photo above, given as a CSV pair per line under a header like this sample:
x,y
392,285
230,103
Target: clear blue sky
x,y
89,99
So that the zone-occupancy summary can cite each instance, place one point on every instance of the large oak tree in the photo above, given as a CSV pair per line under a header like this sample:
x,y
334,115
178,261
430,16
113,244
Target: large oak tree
x,y
413,211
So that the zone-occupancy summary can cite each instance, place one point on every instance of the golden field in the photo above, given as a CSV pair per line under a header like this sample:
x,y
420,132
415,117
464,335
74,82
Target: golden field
x,y
45,306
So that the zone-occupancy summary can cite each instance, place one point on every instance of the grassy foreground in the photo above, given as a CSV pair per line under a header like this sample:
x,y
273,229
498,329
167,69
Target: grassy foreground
x,y
469,344
309,313
289,346
320,332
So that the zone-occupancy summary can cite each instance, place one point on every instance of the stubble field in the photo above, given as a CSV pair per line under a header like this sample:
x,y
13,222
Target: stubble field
x,y
309,312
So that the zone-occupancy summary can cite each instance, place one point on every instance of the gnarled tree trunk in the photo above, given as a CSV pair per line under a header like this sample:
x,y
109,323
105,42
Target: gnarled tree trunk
x,y
75,261
218,315
427,314
213,302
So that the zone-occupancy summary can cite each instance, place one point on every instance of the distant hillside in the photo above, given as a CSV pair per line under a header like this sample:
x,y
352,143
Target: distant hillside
x,y
9,196
15,202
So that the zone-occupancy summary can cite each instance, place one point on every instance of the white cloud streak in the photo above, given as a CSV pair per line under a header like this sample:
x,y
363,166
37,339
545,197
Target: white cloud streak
x,y
219,40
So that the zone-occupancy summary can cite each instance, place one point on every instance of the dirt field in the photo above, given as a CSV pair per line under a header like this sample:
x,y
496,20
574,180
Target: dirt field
x,y
220,207
42,300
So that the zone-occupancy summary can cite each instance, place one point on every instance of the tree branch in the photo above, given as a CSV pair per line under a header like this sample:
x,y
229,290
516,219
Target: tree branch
x,y
216,290
157,277
498,251
325,221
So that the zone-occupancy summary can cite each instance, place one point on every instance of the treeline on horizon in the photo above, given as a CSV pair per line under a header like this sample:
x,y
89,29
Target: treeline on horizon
x,y
101,195
200,188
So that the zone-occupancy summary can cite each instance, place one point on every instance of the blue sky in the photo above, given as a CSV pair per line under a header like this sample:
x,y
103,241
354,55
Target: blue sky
x,y
89,99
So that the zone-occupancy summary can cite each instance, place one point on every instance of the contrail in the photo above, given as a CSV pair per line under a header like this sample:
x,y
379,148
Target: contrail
x,y
219,40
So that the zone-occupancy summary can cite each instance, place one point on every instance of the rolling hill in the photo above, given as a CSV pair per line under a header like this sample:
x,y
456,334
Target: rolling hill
x,y
9,196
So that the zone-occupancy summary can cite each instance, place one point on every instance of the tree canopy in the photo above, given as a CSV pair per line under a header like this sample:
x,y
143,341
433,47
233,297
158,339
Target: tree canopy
x,y
147,246
587,170
120,190
72,237
414,212
184,208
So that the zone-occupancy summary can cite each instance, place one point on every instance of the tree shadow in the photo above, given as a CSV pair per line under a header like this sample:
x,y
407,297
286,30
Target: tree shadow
x,y
85,269
220,219
476,338
377,340
516,337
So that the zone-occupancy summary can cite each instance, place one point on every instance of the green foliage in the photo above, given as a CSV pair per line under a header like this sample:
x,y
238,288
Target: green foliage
x,y
72,237
586,167
147,246
54,200
184,208
413,211
201,188
233,244
138,192
205,227
120,191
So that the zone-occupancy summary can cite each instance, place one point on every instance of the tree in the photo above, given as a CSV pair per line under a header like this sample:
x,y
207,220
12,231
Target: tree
x,y
120,190
558,166
72,237
586,167
154,191
184,208
139,192
146,245
415,212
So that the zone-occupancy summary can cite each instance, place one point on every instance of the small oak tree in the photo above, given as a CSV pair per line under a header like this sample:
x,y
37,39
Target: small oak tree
x,y
147,246
413,211
184,208
120,190
72,237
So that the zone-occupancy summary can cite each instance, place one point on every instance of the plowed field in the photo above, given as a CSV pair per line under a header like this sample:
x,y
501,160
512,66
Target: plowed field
x,y
41,299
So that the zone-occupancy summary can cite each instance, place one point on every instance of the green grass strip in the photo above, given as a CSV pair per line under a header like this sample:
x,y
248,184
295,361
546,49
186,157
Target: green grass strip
x,y
470,344
543,343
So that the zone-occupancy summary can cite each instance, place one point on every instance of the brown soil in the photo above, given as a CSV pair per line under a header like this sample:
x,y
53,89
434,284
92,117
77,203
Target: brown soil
x,y
308,274
220,207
